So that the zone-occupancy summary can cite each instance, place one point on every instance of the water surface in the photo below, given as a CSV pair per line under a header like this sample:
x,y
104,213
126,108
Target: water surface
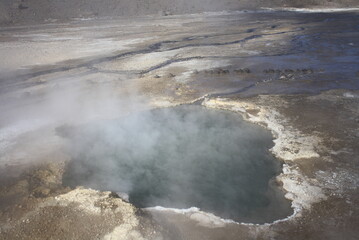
x,y
182,157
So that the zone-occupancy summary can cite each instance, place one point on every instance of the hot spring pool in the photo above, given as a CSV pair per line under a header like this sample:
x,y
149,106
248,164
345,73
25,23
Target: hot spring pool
x,y
181,157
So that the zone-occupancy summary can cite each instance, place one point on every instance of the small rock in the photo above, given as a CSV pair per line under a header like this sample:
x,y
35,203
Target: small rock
x,y
171,75
165,13
305,71
113,195
41,192
221,71
22,7
244,70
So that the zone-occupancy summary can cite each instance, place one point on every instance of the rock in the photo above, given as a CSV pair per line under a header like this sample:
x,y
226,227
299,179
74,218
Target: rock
x,y
22,7
171,75
224,71
239,71
244,70
247,70
41,192
113,195
221,71
165,13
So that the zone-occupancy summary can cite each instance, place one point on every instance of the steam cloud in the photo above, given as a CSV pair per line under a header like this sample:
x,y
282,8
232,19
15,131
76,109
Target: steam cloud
x,y
180,157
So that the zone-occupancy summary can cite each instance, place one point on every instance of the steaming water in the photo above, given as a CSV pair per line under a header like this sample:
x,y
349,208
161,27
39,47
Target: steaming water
x,y
181,157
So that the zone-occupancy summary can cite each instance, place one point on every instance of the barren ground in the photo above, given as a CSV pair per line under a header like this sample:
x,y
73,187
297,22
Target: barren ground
x,y
293,73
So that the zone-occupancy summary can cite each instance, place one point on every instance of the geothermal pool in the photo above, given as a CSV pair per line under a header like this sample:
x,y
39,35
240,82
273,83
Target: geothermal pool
x,y
181,157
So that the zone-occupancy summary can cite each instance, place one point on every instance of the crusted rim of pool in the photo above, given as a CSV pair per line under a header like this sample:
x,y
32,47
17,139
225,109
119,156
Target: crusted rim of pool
x,y
290,145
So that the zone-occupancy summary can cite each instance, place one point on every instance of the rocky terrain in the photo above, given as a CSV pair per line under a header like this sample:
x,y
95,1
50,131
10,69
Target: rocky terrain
x,y
295,74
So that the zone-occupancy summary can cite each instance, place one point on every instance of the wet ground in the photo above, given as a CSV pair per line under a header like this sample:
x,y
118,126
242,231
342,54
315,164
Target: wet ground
x,y
294,73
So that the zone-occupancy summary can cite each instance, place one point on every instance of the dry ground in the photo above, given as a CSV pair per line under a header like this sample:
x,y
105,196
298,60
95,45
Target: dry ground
x,y
295,74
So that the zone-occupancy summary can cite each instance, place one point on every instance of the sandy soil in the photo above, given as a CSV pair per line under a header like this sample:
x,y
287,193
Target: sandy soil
x,y
293,73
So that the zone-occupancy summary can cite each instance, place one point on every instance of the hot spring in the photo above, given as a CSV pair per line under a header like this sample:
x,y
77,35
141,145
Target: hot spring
x,y
181,157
